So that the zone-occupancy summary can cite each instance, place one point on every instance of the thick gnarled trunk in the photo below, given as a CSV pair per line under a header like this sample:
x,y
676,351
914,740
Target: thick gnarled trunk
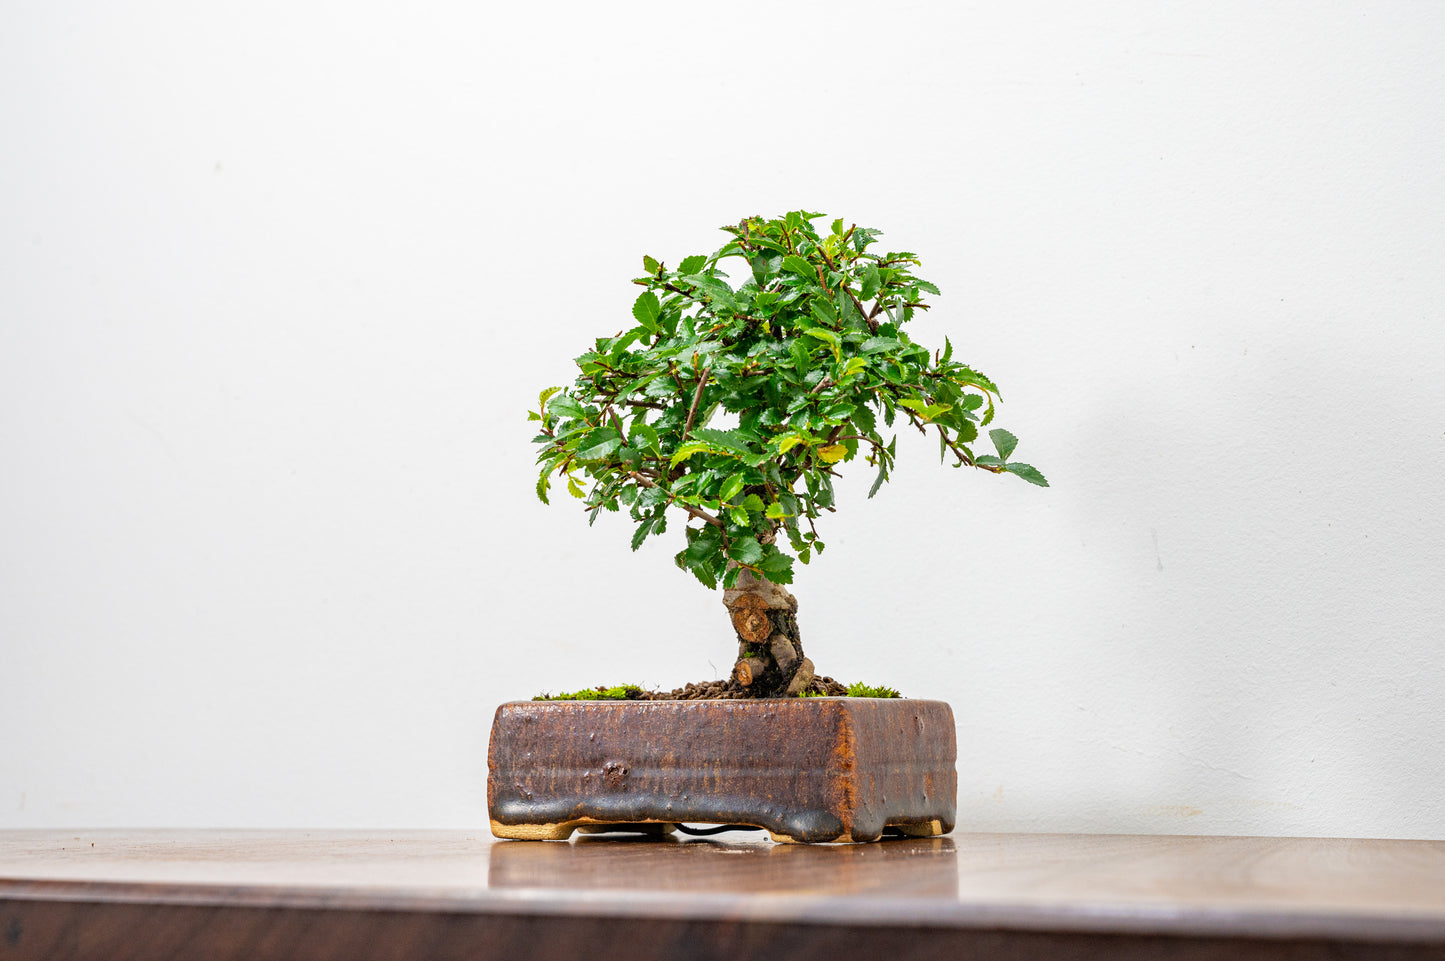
x,y
770,660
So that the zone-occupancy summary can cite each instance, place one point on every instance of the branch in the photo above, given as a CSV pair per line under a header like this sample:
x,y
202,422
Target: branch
x,y
700,514
696,399
861,437
867,318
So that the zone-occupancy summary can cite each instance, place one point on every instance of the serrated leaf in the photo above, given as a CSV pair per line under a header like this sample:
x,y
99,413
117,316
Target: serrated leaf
x,y
752,503
745,550
1027,472
965,375
871,283
732,440
574,488
801,360
777,567
882,476
874,345
730,488
688,449
925,285
715,290
1003,442
691,265
826,336
542,397
563,405
764,267
988,460
704,545
643,529
647,309
650,265
544,483
800,266
740,516
643,436
832,453
775,511
600,443
787,442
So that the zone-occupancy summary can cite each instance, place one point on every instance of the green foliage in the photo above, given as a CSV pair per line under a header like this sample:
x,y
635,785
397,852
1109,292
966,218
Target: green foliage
x,y
622,692
805,361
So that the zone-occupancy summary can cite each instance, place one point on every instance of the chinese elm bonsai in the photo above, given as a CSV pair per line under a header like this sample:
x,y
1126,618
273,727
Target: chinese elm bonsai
x,y
733,407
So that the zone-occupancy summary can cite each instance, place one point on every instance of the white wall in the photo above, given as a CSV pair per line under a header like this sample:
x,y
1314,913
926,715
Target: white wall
x,y
279,280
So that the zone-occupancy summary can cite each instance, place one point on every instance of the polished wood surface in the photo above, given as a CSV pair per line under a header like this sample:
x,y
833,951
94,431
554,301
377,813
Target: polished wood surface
x,y
157,894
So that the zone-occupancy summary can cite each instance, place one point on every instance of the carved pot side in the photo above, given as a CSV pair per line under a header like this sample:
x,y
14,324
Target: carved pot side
x,y
806,769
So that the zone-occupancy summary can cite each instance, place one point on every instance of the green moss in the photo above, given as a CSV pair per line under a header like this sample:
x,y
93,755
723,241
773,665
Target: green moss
x,y
868,690
622,692
860,690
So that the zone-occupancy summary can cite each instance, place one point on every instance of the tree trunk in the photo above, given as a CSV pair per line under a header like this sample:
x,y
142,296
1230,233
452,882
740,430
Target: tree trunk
x,y
770,652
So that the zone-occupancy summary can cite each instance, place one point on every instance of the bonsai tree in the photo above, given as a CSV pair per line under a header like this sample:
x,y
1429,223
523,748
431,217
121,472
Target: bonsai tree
x,y
733,408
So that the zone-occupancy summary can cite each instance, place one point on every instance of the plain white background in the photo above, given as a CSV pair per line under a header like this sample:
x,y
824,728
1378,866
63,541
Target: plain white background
x,y
279,280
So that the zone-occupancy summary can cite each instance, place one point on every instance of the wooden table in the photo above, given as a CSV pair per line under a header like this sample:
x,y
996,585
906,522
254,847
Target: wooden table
x,y
376,895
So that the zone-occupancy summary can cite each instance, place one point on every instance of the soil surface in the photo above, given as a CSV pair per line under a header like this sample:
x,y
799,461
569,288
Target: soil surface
x,y
728,689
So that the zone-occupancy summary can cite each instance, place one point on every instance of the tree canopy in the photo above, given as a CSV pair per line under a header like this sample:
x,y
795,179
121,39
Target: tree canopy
x,y
738,404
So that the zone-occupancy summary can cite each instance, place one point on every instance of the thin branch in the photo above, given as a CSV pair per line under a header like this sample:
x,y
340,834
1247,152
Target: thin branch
x,y
700,514
861,437
823,384
867,318
696,399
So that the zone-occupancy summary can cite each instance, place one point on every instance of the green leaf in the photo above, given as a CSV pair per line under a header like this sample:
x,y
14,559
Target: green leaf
x,y
752,503
647,309
1028,473
562,405
925,285
574,488
800,266
740,516
871,283
882,476
777,567
988,460
1003,442
691,265
730,488
799,352
874,345
643,436
544,483
745,550
764,267
703,545
600,443
775,511
643,529
826,336
650,265
688,449
732,440
715,290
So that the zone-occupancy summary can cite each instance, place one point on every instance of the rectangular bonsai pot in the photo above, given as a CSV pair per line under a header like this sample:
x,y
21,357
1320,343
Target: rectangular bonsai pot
x,y
806,769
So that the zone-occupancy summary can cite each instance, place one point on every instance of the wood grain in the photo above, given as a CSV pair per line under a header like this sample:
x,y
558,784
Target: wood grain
x,y
279,895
